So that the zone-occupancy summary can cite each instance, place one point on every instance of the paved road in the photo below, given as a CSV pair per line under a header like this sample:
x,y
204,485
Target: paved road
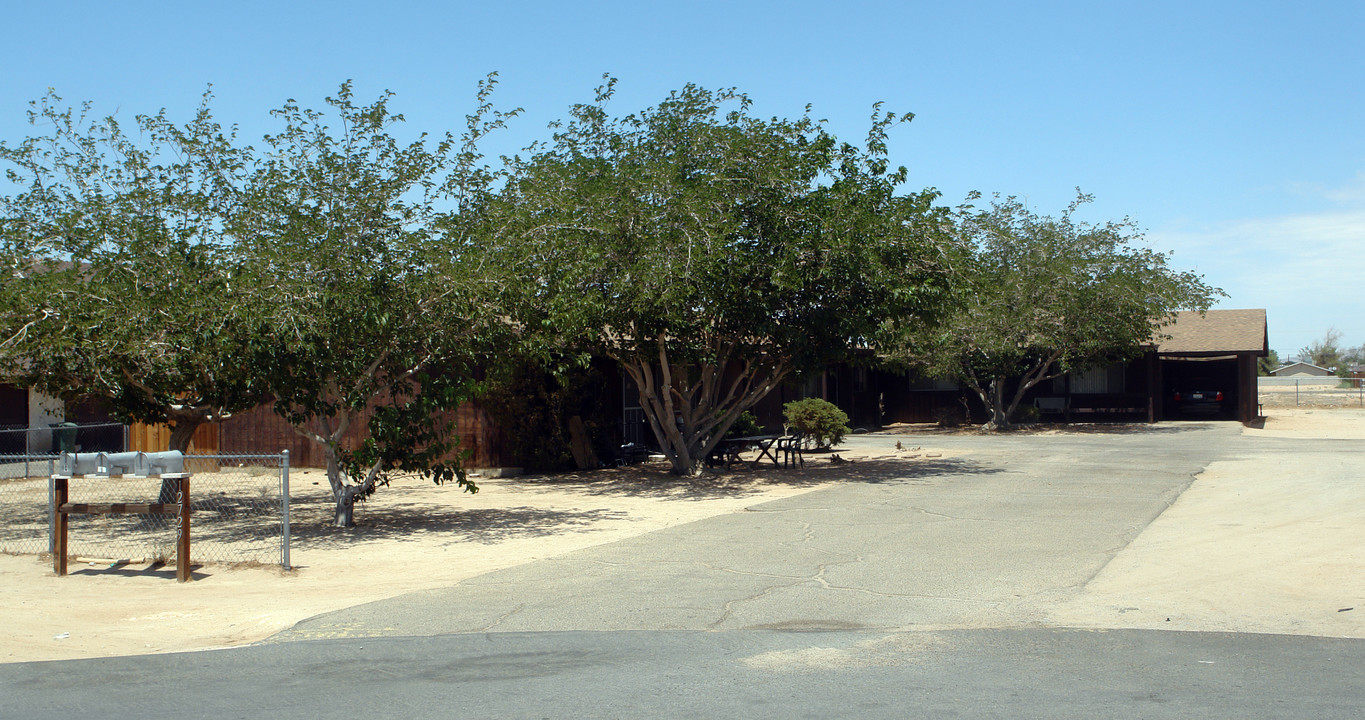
x,y
974,540
902,595
1029,673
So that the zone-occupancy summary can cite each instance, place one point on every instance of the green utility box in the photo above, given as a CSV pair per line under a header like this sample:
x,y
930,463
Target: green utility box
x,y
63,437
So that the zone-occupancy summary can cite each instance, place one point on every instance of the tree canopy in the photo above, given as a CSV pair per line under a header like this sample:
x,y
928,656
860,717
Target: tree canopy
x,y
180,275
115,282
711,253
353,278
1040,296
1328,352
359,238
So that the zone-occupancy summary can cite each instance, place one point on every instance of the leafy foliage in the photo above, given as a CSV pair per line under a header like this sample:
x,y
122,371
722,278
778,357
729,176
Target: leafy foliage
x,y
746,425
817,419
1039,296
709,252
1325,352
382,299
116,283
533,404
181,276
1267,364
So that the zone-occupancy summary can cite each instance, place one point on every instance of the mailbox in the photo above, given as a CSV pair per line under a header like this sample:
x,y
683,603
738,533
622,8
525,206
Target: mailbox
x,y
134,464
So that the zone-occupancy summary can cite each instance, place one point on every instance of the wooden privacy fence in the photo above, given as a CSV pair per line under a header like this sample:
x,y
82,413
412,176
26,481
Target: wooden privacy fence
x,y
250,430
157,438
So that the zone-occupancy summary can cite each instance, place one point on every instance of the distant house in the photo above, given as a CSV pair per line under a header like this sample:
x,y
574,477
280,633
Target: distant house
x,y
1211,352
1301,369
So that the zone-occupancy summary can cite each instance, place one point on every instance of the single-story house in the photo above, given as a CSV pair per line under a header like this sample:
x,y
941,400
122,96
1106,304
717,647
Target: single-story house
x,y
1301,369
1213,352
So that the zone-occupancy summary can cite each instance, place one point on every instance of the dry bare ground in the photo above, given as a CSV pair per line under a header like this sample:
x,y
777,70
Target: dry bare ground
x,y
1309,396
1268,543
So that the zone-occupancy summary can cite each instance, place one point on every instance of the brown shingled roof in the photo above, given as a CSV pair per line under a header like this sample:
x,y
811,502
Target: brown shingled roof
x,y
1218,331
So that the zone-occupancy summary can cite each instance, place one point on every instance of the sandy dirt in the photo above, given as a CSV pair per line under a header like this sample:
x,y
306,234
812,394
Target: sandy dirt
x,y
1272,544
411,536
1256,545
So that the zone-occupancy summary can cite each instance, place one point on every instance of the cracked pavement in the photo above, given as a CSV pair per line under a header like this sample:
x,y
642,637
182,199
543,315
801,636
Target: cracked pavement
x,y
987,539
989,584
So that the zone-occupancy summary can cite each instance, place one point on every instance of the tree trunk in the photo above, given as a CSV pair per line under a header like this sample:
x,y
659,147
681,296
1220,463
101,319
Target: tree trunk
x,y
346,497
183,425
994,398
333,469
689,412
182,432
345,509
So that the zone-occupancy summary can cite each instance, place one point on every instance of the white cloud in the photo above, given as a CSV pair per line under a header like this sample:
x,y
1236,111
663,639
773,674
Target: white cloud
x,y
1352,194
1306,270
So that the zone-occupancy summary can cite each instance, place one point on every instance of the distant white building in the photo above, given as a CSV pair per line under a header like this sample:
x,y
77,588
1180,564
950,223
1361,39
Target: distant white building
x,y
1301,369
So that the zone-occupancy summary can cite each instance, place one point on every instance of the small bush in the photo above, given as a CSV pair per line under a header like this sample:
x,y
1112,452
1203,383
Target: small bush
x,y
746,425
817,419
950,416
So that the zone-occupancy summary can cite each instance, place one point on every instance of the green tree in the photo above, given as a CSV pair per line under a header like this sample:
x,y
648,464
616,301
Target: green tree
x,y
116,283
1325,351
711,253
181,276
364,242
1266,365
1039,297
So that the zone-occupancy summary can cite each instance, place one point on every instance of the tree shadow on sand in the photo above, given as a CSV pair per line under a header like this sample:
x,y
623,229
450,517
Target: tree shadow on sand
x,y
657,482
416,515
414,520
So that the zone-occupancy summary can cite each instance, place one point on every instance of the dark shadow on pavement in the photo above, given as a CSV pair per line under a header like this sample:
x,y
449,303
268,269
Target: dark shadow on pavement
x,y
1117,428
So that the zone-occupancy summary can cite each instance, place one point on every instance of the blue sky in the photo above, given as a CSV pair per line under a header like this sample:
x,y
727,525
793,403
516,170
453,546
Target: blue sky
x,y
1231,131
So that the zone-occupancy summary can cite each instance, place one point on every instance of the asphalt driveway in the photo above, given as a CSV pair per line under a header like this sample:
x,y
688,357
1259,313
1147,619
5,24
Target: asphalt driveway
x,y
922,594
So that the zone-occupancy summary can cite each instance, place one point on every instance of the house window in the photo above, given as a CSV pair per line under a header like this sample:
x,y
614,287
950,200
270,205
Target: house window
x,y
1099,380
920,384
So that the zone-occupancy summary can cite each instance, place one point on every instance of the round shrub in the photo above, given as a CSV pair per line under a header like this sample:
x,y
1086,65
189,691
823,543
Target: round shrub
x,y
819,420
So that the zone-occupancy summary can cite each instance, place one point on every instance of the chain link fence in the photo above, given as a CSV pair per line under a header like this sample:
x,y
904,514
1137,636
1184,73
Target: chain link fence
x,y
239,511
57,438
1323,392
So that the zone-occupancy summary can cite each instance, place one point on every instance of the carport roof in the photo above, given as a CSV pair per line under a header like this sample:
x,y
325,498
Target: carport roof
x,y
1215,332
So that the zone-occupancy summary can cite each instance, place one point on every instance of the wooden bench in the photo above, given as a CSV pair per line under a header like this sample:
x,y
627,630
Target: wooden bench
x,y
62,508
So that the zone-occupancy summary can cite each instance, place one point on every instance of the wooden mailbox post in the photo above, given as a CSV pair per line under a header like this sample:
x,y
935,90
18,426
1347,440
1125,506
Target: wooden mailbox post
x,y
62,508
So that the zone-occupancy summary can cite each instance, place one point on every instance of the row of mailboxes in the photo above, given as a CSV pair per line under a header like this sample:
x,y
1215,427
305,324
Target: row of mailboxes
x,y
133,464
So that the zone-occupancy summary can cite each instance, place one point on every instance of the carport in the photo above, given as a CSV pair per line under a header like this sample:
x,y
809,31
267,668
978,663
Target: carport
x,y
1213,352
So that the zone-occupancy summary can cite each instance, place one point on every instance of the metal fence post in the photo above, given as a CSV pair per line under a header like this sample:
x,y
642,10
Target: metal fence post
x,y
284,502
51,510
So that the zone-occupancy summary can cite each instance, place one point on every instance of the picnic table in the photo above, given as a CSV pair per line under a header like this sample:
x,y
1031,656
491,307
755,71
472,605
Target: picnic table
x,y
728,451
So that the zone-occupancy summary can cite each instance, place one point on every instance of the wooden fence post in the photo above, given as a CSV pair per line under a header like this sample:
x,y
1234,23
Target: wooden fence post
x,y
182,531
60,494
